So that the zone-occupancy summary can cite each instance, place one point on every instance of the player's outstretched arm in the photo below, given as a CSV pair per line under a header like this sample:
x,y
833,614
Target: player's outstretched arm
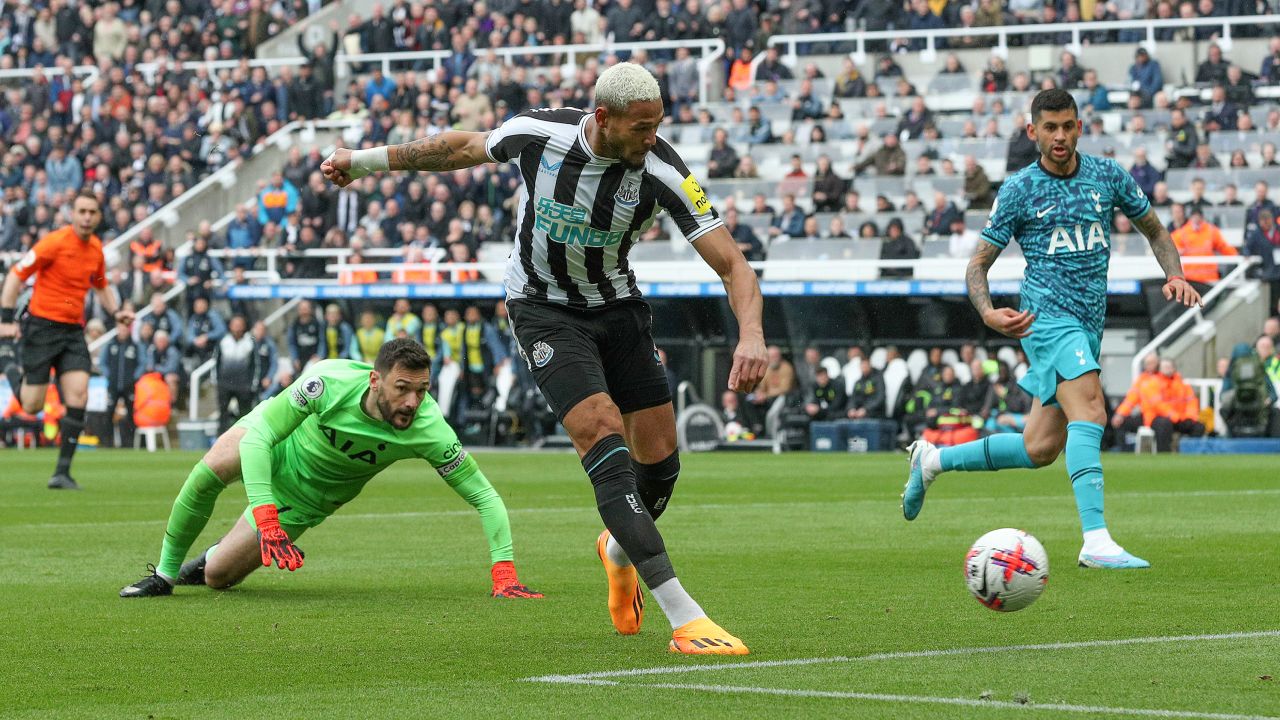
x,y
463,474
1176,287
278,418
449,150
1005,321
750,359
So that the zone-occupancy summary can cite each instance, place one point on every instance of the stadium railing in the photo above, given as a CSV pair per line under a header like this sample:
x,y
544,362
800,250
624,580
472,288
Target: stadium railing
x,y
674,276
1209,390
140,313
148,70
88,72
168,216
343,61
712,50
225,177
209,366
1003,32
1195,314
177,289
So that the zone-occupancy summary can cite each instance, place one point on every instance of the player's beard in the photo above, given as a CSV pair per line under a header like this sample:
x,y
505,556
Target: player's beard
x,y
617,151
1046,151
398,420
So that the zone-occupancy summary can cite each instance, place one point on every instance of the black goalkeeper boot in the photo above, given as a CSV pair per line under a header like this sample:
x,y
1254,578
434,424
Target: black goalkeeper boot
x,y
150,586
63,481
192,572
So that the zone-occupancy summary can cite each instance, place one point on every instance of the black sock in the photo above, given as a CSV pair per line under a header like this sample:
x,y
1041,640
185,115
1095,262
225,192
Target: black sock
x,y
656,482
70,427
608,464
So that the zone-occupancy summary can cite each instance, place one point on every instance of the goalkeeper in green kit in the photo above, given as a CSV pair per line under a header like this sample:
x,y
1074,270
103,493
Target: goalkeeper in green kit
x,y
310,450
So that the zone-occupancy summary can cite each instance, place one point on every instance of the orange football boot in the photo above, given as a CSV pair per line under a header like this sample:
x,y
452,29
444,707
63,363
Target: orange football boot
x,y
626,604
703,637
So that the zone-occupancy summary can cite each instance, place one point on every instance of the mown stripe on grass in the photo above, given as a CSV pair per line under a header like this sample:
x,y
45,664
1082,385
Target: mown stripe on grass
x,y
589,678
159,519
963,702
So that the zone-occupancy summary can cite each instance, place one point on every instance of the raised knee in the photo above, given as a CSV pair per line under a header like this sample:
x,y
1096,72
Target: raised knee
x,y
219,580
1044,453
666,469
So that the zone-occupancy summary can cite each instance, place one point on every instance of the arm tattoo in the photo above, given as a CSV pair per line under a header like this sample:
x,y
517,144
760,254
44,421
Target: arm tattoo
x,y
1161,243
976,276
431,154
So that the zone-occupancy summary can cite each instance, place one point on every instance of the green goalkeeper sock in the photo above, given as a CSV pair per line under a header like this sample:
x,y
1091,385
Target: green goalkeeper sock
x,y
190,514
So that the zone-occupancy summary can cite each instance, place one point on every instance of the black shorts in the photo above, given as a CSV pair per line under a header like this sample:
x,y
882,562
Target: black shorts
x,y
47,344
574,354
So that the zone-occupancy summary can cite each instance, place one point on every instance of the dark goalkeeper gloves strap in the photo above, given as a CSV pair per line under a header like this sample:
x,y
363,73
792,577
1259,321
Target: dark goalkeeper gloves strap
x,y
507,585
277,548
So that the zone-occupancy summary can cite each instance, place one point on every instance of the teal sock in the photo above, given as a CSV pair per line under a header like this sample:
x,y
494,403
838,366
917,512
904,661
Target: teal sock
x,y
1084,465
994,452
190,514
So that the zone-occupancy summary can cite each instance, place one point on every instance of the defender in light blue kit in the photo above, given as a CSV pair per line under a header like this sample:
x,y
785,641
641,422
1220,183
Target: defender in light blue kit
x,y
1060,212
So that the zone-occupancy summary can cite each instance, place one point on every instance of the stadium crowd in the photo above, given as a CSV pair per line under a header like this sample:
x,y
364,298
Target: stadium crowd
x,y
951,395
150,121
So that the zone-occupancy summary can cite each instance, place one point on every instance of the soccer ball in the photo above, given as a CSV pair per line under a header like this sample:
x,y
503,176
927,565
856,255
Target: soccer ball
x,y
1006,569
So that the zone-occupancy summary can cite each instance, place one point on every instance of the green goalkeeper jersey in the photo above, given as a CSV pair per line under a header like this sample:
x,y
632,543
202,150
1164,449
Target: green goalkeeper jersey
x,y
321,442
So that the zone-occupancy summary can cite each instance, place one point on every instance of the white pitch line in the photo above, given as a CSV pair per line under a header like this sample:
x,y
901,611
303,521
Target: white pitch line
x,y
682,507
963,702
591,677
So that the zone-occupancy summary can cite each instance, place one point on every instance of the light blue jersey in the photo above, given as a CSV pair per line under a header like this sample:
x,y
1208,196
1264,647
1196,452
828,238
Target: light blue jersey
x,y
1063,225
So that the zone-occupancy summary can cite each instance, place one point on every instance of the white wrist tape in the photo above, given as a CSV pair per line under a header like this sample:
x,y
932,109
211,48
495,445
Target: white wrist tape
x,y
371,160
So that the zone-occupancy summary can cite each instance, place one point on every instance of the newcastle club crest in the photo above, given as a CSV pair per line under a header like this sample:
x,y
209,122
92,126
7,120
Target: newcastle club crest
x,y
628,194
542,353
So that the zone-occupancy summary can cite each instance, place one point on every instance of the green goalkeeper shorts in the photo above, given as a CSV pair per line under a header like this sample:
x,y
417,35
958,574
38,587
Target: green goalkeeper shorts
x,y
297,501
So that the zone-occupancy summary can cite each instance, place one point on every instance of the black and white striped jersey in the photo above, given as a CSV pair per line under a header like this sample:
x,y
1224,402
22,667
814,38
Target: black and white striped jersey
x,y
579,213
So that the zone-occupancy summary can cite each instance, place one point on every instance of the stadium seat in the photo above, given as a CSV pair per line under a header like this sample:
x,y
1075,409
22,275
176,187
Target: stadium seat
x,y
932,249
852,373
666,261
1146,437
894,376
916,362
149,434
825,251
494,252
962,372
832,365
448,382
505,380
878,357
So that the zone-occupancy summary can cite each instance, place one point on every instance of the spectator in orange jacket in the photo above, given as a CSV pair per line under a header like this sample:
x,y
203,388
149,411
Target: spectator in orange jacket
x,y
357,277
1199,237
1167,404
1124,417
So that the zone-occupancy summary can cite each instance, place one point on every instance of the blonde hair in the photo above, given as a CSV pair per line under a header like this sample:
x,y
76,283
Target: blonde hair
x,y
625,83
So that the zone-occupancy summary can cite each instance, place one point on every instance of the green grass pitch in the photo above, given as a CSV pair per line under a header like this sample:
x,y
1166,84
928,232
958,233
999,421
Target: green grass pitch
x,y
805,557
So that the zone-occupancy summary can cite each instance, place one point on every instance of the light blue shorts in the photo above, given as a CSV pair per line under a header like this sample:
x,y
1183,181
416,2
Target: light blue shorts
x,y
1058,349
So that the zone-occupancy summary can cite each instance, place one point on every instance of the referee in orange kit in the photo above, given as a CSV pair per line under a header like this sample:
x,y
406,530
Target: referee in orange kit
x,y
66,263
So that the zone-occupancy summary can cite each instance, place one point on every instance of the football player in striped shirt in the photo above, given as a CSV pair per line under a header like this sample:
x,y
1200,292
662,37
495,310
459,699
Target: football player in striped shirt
x,y
593,182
